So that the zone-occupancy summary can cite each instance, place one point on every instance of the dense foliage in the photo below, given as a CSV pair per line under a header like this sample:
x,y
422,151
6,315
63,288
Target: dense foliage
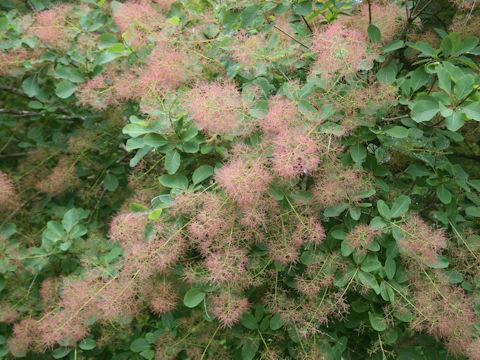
x,y
200,179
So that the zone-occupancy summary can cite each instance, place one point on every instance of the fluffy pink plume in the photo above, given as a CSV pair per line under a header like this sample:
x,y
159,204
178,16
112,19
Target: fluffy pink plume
x,y
62,178
218,109
360,238
8,197
334,186
162,296
340,51
96,92
388,16
128,228
420,242
294,152
167,70
227,266
138,21
309,231
282,114
244,181
229,308
246,49
51,26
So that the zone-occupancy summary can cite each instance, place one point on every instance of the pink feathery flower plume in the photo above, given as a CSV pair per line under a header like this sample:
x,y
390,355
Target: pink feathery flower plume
x,y
244,181
138,21
282,115
294,152
229,308
61,179
420,242
218,109
8,197
51,26
167,70
340,51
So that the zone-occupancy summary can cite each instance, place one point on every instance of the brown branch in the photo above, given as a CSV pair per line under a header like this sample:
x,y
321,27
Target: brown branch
x,y
13,90
369,12
291,37
67,114
308,25
19,112
7,219
15,112
14,155
30,5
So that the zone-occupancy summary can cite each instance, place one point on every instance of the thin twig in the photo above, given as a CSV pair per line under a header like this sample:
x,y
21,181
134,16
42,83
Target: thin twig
x,y
16,112
369,11
19,112
14,155
7,219
63,110
397,117
13,90
308,25
291,37
30,5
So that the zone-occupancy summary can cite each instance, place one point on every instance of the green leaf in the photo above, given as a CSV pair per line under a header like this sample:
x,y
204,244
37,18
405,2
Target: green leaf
x,y
154,139
454,121
475,184
172,161
371,263
377,321
472,110
69,73
2,282
87,344
383,209
201,173
444,80
393,45
155,214
276,322
54,231
249,14
139,345
390,268
466,45
70,219
134,130
249,321
30,86
334,211
65,89
3,23
250,348
473,211
425,49
358,152
425,110
193,297
60,353
147,354
463,86
303,8
374,33
106,40
174,181
444,195
110,182
398,132
400,206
